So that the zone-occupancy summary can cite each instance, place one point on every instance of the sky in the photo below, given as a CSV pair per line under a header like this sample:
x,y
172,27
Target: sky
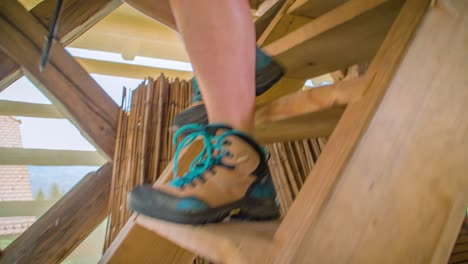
x,y
50,133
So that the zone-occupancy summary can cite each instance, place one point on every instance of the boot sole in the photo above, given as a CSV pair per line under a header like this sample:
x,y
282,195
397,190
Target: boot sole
x,y
267,77
245,209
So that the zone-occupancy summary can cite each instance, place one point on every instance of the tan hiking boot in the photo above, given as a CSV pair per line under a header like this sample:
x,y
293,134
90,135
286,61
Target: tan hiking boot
x,y
230,177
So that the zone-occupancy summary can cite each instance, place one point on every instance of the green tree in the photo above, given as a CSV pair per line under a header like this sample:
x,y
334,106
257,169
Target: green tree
x,y
55,193
40,195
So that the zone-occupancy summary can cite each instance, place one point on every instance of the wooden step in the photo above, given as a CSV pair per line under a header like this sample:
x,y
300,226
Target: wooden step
x,y
305,114
347,35
233,242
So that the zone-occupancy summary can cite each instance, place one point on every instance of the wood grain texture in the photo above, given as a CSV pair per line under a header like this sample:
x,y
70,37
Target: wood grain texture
x,y
318,47
232,242
53,236
136,244
75,18
312,113
283,87
281,24
129,70
266,13
64,81
13,108
305,211
407,176
49,157
313,8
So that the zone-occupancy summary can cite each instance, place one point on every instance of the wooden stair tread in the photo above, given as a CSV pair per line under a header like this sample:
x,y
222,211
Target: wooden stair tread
x,y
312,113
347,35
234,242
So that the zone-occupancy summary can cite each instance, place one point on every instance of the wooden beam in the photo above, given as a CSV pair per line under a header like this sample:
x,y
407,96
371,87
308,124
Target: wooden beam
x,y
281,24
317,47
406,180
305,212
24,208
49,157
312,113
313,8
13,108
283,87
130,71
56,233
126,29
75,18
266,13
64,81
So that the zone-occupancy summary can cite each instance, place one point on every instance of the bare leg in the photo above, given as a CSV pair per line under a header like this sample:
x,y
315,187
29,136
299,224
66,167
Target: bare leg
x,y
220,40
230,176
159,10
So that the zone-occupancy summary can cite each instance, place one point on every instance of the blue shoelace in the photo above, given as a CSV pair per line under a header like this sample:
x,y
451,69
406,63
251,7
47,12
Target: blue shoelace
x,y
205,160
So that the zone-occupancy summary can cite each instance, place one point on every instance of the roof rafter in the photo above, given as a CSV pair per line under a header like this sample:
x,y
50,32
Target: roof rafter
x,y
76,17
64,81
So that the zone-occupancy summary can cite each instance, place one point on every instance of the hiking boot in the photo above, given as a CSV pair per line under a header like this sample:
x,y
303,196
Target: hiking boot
x,y
229,177
267,73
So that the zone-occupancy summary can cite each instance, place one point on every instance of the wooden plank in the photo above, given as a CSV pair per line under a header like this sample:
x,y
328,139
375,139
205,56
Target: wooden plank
x,y
54,235
75,18
312,113
49,157
283,87
64,81
317,47
24,208
407,176
280,25
140,245
129,70
266,12
13,108
235,242
313,8
319,185
128,32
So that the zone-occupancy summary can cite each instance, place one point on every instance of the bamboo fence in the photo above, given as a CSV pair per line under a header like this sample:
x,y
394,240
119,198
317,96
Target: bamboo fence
x,y
143,145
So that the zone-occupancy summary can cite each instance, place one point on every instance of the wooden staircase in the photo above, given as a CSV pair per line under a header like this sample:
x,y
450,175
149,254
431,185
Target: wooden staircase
x,y
395,164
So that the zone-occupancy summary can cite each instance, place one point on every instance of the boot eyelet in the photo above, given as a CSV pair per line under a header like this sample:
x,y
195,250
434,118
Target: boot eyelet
x,y
227,142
